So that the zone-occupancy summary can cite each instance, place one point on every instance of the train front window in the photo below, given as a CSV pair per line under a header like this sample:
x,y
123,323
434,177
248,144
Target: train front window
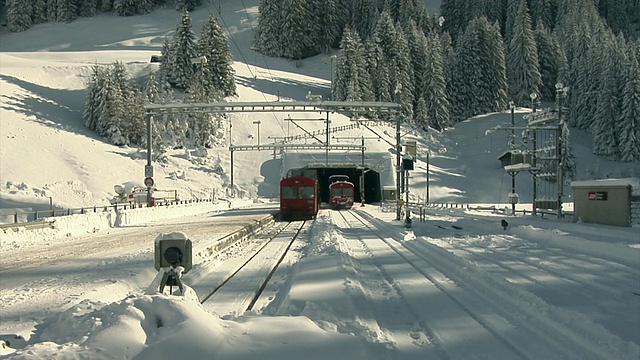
x,y
307,192
336,192
348,192
289,193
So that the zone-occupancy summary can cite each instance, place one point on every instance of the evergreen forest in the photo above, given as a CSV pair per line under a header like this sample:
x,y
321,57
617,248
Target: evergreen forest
x,y
473,58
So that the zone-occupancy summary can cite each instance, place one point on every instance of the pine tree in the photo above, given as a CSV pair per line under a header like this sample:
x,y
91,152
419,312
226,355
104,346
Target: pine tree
x,y
126,7
19,15
67,11
629,121
188,5
457,14
523,71
351,80
604,124
378,72
478,80
183,49
325,15
396,58
269,27
52,10
90,113
364,14
549,60
213,45
40,12
87,8
297,39
434,89
106,5
165,68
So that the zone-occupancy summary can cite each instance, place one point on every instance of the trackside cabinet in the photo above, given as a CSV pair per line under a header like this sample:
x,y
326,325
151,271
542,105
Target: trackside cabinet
x,y
607,201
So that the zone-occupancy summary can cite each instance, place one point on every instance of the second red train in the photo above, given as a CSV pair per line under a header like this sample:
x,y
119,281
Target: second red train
x,y
341,192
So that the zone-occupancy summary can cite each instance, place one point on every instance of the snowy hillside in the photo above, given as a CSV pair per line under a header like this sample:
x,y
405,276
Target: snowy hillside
x,y
48,153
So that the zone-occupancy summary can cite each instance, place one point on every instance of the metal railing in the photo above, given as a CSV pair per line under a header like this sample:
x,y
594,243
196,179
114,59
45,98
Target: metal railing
x,y
22,218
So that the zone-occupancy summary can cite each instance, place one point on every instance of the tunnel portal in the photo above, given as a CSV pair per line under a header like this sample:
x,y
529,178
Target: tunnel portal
x,y
371,186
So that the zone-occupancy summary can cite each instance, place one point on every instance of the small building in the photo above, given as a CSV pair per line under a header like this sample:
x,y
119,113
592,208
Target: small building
x,y
514,157
606,201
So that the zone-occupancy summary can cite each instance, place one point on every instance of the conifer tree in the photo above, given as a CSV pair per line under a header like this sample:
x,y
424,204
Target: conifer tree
x,y
326,18
67,10
127,7
297,40
183,48
87,8
364,14
351,80
188,5
106,5
214,47
19,15
269,27
612,80
629,121
434,92
523,71
378,72
40,12
396,58
549,59
52,10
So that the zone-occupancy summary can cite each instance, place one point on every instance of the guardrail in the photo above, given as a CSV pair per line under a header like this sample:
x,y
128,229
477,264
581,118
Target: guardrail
x,y
22,218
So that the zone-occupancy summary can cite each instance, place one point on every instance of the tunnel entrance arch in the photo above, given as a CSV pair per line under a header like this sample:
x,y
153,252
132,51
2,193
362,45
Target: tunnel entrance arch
x,y
371,186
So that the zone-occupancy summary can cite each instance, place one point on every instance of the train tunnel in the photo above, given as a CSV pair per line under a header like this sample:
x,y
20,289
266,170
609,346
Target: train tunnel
x,y
371,186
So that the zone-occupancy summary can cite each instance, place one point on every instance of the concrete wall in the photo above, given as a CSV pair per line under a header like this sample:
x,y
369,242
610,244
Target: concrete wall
x,y
603,204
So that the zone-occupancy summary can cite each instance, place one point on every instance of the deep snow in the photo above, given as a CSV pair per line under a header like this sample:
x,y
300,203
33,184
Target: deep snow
x,y
93,305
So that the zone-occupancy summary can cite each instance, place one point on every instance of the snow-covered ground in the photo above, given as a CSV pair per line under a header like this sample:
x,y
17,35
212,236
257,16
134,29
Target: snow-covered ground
x,y
77,291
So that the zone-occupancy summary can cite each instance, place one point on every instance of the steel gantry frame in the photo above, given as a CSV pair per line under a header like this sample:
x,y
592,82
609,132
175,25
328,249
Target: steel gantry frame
x,y
345,107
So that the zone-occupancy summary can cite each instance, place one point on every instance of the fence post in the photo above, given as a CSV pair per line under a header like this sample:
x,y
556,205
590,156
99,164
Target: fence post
x,y
15,217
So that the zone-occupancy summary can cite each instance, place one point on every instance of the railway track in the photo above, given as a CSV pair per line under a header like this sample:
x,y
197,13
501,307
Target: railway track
x,y
239,286
510,326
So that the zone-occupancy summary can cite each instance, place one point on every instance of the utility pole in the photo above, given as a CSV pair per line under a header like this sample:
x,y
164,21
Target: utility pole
x,y
561,92
398,149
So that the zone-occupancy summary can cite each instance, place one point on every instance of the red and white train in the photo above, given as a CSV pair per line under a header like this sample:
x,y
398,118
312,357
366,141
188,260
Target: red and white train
x,y
299,198
341,192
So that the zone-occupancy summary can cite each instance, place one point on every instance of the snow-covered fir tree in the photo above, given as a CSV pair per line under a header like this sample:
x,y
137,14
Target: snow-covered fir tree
x,y
328,23
363,17
188,5
435,92
550,59
269,27
351,80
612,80
128,7
183,48
298,41
478,83
629,121
396,58
87,8
40,12
523,71
218,66
19,15
67,10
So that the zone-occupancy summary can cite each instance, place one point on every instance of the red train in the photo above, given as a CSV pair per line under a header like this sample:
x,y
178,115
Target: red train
x,y
299,198
341,192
